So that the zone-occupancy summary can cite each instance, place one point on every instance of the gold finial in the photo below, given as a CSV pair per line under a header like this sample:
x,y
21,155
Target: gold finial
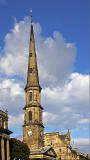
x,y
31,15
31,11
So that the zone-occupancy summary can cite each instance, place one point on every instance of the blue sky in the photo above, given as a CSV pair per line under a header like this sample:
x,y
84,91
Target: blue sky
x,y
56,22
71,18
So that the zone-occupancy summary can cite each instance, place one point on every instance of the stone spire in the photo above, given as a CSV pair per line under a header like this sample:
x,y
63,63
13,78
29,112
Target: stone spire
x,y
33,129
32,74
68,132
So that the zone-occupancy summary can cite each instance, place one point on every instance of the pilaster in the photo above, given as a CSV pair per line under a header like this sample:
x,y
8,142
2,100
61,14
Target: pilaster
x,y
2,148
8,152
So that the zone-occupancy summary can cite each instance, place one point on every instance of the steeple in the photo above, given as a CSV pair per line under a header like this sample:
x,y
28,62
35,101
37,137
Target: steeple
x,y
33,129
68,133
32,74
68,137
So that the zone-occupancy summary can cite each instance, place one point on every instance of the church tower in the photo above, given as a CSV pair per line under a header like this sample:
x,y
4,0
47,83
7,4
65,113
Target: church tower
x,y
33,129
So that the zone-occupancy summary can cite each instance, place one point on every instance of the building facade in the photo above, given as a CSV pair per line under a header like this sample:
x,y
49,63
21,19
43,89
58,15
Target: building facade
x,y
4,136
62,147
60,144
49,146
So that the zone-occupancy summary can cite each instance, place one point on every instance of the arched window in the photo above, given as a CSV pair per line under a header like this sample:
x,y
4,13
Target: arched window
x,y
30,96
30,115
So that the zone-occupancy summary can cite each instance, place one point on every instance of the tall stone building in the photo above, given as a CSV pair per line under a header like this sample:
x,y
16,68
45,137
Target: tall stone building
x,y
4,136
33,124
33,129
49,146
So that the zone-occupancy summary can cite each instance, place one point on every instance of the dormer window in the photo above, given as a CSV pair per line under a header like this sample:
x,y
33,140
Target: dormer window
x,y
30,70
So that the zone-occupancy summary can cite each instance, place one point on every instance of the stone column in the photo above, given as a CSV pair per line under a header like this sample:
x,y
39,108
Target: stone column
x,y
8,152
2,148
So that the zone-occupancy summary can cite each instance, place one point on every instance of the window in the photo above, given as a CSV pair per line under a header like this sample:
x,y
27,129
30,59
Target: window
x,y
30,115
40,116
3,123
30,70
50,142
30,54
30,96
59,149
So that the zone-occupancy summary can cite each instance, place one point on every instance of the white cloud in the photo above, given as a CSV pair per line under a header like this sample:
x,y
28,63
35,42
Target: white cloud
x,y
11,87
64,106
16,120
61,104
70,102
55,56
11,95
82,144
84,121
65,94
13,64
51,117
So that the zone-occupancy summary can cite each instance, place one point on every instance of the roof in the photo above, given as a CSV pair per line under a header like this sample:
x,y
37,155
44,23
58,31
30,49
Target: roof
x,y
42,149
47,150
3,130
73,151
63,136
85,155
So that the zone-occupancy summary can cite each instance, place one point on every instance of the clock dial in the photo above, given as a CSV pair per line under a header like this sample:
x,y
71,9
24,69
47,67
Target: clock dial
x,y
29,133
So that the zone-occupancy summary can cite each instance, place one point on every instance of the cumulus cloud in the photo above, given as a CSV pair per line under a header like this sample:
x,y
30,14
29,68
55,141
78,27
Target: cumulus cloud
x,y
69,102
63,106
82,144
16,121
11,95
51,117
55,55
62,100
65,94
84,121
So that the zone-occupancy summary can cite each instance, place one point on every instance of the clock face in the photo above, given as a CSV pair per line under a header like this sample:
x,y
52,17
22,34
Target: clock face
x,y
29,133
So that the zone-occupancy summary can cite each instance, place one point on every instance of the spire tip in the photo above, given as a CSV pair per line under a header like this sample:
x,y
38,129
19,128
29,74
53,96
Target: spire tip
x,y
31,15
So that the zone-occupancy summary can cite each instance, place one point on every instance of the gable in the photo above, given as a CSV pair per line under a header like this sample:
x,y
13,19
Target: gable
x,y
55,138
51,152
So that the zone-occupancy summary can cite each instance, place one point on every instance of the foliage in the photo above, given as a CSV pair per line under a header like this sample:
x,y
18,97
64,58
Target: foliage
x,y
18,150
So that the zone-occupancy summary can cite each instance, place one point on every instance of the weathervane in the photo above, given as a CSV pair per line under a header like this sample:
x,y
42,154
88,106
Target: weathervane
x,y
31,15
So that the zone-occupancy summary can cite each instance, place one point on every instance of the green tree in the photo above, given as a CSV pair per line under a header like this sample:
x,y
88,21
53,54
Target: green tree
x,y
18,150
